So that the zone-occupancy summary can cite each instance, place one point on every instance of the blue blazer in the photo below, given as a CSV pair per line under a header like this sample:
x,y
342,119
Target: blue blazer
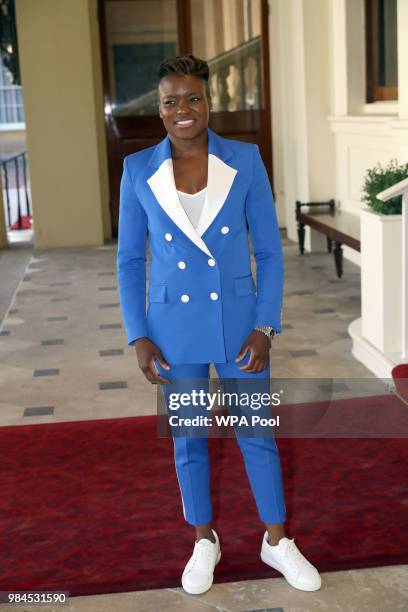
x,y
202,300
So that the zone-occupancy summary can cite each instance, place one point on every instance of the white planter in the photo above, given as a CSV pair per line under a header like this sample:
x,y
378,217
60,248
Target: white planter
x,y
381,272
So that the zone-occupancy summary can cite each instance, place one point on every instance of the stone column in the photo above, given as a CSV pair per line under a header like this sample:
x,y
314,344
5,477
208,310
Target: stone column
x,y
63,104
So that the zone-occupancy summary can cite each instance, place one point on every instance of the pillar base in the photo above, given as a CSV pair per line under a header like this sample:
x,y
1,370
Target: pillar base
x,y
381,364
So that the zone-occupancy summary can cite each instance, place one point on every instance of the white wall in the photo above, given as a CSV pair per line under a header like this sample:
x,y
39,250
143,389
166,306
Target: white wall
x,y
303,145
365,134
325,136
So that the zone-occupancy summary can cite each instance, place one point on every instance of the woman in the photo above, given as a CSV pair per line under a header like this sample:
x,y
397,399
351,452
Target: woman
x,y
195,195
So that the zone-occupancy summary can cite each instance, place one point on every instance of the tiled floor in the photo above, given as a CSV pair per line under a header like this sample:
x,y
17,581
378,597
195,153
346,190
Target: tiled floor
x,y
63,356
382,589
63,331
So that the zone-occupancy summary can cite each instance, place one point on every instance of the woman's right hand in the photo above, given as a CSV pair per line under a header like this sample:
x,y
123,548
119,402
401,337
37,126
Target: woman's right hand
x,y
147,352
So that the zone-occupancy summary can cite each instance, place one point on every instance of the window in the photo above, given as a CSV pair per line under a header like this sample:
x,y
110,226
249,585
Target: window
x,y
11,101
381,50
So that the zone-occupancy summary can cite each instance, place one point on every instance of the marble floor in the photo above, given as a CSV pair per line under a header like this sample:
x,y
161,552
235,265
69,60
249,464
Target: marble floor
x,y
63,356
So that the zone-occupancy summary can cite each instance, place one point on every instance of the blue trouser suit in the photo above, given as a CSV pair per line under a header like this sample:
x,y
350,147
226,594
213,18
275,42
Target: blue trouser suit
x,y
261,455
202,299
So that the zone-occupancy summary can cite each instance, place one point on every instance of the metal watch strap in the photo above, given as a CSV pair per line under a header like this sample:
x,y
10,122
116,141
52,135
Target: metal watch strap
x,y
267,330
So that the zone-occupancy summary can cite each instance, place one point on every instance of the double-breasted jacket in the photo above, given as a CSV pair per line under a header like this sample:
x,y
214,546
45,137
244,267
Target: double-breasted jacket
x,y
202,300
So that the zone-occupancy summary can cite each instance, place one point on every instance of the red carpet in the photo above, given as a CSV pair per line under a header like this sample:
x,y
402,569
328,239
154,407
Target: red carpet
x,y
94,506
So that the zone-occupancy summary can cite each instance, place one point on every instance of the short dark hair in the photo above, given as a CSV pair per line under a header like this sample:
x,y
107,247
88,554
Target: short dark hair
x,y
185,64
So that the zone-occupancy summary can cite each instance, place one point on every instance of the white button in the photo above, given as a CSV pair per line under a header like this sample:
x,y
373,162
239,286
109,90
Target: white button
x,y
185,298
211,262
214,296
225,229
181,265
168,237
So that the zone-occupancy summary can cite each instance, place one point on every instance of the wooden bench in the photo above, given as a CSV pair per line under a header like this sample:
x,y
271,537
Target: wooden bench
x,y
339,226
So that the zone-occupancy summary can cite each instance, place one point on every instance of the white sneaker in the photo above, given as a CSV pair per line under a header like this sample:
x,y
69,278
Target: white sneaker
x,y
198,574
287,559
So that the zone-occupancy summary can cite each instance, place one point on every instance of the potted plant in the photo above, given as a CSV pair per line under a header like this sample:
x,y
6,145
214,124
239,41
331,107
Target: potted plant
x,y
381,259
377,179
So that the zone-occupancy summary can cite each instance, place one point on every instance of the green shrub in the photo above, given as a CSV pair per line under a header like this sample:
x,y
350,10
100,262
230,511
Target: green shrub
x,y
377,179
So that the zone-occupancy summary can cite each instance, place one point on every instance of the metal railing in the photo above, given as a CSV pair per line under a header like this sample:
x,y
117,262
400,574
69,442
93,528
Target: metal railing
x,y
14,172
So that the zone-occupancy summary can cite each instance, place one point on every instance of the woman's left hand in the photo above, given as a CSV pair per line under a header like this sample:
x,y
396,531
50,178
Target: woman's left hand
x,y
259,344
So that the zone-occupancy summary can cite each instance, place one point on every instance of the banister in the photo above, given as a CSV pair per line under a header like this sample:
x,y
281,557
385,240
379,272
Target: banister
x,y
393,191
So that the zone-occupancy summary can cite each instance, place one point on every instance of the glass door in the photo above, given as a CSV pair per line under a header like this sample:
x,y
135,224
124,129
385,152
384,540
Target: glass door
x,y
139,35
228,35
232,36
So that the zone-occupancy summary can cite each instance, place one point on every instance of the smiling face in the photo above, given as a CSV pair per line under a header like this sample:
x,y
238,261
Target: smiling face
x,y
184,105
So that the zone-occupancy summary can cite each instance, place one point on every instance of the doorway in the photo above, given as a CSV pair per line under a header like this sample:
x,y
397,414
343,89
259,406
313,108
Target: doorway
x,y
136,35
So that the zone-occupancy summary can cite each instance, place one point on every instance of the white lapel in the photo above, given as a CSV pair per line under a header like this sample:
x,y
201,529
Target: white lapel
x,y
164,188
219,182
220,177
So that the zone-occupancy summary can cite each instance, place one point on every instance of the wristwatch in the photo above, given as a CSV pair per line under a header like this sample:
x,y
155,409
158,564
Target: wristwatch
x,y
267,330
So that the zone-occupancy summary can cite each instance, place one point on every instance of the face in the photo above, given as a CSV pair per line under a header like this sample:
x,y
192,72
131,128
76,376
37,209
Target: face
x,y
184,106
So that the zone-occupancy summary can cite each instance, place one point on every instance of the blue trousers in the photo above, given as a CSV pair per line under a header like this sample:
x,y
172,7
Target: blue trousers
x,y
260,454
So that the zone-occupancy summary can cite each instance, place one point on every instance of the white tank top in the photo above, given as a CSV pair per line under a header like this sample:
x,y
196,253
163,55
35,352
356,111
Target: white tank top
x,y
193,204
